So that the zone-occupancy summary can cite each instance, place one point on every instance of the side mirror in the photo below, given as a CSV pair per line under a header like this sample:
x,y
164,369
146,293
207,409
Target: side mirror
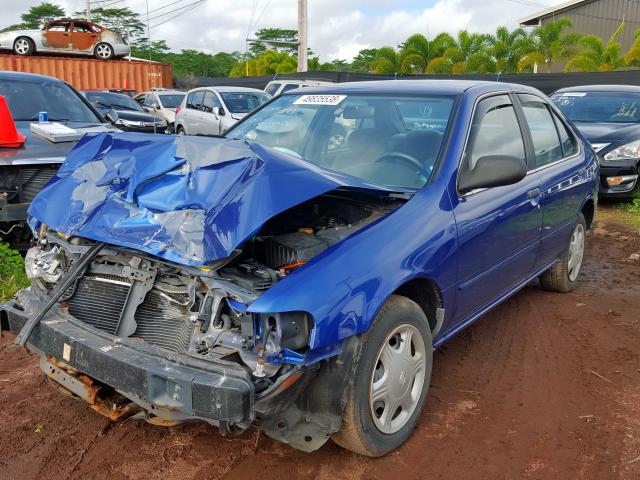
x,y
221,111
111,116
493,171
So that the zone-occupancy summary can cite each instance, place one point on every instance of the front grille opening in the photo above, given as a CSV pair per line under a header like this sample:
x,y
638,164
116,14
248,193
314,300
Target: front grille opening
x,y
162,318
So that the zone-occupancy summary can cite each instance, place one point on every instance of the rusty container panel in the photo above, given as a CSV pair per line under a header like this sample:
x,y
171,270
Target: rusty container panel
x,y
88,73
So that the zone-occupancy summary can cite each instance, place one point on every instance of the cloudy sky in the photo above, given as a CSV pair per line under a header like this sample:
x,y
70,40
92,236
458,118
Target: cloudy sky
x,y
338,29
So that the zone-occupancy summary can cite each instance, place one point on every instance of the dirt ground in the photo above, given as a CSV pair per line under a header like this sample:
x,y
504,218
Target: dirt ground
x,y
546,386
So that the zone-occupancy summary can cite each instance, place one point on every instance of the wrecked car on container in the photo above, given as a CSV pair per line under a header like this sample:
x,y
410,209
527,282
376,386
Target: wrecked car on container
x,y
297,274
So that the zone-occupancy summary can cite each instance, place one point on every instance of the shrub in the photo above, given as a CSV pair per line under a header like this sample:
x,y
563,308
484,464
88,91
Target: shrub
x,y
12,275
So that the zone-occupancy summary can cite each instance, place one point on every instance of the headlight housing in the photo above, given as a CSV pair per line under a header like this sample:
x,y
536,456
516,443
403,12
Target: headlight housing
x,y
44,264
625,152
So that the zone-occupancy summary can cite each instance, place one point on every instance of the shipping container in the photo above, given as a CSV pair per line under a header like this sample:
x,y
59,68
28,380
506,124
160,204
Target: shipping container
x,y
88,73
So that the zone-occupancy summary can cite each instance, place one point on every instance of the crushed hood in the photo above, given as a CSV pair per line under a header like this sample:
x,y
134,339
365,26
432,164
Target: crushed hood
x,y
190,200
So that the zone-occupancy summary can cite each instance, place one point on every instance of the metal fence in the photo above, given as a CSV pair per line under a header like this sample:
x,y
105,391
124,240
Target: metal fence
x,y
546,82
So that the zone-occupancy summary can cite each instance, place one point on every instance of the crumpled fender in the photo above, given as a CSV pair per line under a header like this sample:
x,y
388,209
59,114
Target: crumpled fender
x,y
344,287
190,200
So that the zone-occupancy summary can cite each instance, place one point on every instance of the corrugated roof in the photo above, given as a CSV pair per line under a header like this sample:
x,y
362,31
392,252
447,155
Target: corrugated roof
x,y
535,17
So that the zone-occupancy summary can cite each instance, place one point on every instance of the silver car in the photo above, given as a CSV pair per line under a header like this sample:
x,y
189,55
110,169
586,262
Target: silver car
x,y
66,36
162,103
213,110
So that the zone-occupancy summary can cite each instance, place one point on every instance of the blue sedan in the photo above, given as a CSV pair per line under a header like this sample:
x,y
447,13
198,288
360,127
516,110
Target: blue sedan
x,y
297,274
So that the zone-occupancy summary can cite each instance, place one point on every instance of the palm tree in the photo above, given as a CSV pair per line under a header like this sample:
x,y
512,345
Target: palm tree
x,y
509,47
632,57
594,55
469,52
386,61
549,44
414,54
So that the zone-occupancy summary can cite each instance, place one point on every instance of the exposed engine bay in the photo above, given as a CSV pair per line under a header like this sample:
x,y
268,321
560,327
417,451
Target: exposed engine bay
x,y
201,312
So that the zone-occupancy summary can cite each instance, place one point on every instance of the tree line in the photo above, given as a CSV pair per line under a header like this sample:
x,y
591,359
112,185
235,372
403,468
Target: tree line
x,y
274,50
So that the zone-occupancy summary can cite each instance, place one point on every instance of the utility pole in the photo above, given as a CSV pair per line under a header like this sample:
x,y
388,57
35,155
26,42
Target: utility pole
x,y
302,35
88,10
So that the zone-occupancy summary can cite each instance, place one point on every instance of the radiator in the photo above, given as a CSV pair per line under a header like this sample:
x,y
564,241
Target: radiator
x,y
162,319
33,179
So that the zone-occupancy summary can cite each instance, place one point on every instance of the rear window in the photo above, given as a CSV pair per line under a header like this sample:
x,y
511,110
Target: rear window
x,y
272,88
171,101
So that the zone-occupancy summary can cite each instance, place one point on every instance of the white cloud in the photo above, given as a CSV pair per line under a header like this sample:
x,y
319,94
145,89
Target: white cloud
x,y
337,29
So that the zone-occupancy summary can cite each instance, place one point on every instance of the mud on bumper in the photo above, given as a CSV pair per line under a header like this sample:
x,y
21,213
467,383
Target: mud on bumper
x,y
175,387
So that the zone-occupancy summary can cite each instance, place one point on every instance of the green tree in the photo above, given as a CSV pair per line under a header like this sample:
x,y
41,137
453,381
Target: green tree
x,y
469,52
271,39
414,54
508,47
386,61
594,55
267,63
362,62
549,43
632,57
37,16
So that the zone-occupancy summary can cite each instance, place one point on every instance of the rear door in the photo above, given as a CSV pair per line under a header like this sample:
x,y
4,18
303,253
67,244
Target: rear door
x,y
209,118
498,228
562,170
58,35
192,112
82,36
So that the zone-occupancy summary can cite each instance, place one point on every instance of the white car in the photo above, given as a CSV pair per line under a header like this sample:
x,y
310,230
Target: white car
x,y
163,103
276,87
76,37
213,110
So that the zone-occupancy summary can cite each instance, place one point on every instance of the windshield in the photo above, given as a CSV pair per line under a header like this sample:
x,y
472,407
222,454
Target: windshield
x,y
113,100
606,107
171,101
243,102
390,141
27,98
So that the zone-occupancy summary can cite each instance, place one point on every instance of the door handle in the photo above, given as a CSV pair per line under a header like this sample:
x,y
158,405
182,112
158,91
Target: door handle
x,y
535,193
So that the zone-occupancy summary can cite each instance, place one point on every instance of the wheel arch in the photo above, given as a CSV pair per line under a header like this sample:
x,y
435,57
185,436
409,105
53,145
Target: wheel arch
x,y
426,293
588,210
34,44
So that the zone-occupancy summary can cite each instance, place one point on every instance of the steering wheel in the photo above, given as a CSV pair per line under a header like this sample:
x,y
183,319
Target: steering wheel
x,y
408,159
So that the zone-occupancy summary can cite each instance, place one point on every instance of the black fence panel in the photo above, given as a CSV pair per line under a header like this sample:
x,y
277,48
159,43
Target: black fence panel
x,y
546,82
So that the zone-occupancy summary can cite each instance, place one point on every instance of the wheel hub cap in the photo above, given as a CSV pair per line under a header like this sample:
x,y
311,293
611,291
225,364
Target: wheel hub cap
x,y
397,379
576,252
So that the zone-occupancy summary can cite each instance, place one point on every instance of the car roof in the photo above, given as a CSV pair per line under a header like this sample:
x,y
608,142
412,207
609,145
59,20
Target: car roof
x,y
22,76
228,88
601,88
441,87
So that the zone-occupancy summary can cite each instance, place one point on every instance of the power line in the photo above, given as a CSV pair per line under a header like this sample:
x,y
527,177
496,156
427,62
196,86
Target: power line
x,y
186,8
172,4
196,3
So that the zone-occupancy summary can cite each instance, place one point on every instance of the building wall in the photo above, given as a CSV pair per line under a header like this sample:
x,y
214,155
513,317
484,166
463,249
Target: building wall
x,y
602,18
89,73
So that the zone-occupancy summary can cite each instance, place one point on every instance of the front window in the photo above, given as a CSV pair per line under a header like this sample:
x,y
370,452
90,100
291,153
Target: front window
x,y
104,100
171,101
599,107
387,140
243,102
27,98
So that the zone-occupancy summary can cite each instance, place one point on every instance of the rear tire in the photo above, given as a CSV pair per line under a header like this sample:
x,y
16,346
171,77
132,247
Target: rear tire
x,y
563,276
180,131
103,51
24,46
392,378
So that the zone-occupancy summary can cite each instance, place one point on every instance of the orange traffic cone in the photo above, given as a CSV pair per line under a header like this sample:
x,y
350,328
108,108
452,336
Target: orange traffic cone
x,y
9,136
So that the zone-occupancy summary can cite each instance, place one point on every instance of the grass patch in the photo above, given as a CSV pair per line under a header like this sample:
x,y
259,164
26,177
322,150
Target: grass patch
x,y
12,275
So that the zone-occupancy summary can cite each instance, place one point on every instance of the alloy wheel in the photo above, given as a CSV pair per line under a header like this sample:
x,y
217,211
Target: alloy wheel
x,y
22,46
103,51
397,379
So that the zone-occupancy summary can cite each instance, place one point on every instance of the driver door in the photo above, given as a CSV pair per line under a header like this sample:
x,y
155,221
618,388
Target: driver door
x,y
499,228
58,35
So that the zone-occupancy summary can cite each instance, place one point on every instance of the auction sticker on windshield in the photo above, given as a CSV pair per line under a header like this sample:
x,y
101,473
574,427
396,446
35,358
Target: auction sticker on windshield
x,y
320,99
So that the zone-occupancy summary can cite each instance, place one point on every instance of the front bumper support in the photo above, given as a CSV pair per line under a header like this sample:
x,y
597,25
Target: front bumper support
x,y
171,386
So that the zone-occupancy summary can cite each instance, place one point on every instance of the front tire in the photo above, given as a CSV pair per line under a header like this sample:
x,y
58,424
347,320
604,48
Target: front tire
x,y
563,276
180,131
23,46
103,51
391,380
